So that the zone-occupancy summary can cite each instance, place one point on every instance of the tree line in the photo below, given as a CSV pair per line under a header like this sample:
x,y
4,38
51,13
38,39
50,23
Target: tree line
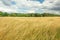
x,y
5,14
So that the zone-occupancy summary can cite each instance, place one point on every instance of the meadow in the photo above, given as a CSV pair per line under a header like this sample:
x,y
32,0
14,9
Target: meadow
x,y
29,28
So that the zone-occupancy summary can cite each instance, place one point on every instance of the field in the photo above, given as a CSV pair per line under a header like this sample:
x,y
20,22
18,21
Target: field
x,y
29,28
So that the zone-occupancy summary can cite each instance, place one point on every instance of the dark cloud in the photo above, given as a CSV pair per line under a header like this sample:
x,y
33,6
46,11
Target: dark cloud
x,y
55,8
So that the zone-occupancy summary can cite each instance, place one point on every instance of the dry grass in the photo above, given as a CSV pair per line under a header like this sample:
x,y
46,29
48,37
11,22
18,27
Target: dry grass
x,y
32,28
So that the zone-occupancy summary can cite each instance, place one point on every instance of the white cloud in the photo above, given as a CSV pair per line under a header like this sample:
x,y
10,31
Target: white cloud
x,y
31,6
30,11
7,9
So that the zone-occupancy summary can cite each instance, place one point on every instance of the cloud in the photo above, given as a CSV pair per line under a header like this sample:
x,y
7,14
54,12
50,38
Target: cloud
x,y
8,2
52,5
56,6
35,6
7,10
30,11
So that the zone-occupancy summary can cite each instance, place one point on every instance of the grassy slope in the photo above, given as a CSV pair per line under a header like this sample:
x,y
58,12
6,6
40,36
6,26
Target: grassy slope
x,y
24,28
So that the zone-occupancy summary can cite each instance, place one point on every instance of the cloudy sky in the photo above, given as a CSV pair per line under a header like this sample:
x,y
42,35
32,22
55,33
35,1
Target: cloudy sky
x,y
30,6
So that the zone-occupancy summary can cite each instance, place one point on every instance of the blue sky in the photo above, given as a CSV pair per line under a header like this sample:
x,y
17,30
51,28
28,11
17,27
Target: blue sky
x,y
41,1
13,2
30,6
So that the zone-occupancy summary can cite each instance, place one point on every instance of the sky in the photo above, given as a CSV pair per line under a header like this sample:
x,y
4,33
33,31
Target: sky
x,y
30,6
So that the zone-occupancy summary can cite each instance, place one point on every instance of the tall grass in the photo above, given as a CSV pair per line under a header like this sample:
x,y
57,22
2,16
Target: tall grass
x,y
24,28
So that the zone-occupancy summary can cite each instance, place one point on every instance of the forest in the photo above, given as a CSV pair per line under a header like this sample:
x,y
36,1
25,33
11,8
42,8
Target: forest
x,y
5,14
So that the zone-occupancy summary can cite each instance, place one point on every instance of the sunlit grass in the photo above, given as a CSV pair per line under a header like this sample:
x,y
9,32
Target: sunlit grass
x,y
29,28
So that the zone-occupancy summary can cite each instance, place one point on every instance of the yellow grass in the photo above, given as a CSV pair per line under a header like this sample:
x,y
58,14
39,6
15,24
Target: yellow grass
x,y
29,28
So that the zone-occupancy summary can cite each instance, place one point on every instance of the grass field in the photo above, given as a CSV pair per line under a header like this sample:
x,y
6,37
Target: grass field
x,y
29,28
